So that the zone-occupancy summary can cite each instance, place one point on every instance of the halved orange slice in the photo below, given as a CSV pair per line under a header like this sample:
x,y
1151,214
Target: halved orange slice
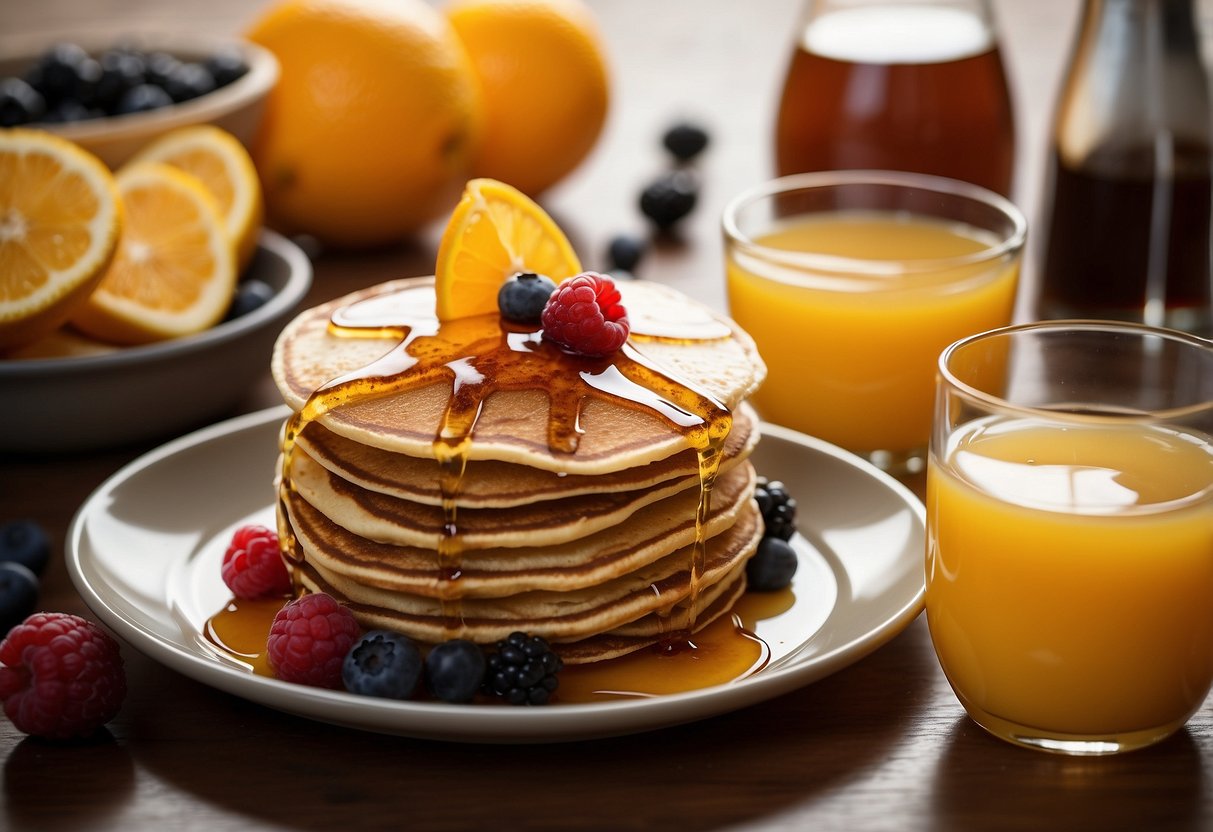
x,y
175,270
224,166
494,232
60,217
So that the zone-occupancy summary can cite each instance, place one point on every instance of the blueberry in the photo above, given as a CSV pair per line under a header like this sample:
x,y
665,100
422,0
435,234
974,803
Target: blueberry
x,y
454,670
226,65
188,80
772,566
69,110
56,74
383,664
250,294
20,103
120,71
159,67
670,198
142,98
26,543
523,296
685,140
18,595
625,251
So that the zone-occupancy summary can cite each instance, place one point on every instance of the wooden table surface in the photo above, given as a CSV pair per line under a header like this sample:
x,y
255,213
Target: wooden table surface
x,y
882,744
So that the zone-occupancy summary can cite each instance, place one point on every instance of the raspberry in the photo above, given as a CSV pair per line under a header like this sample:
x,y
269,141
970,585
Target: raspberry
x,y
253,566
309,639
585,315
61,676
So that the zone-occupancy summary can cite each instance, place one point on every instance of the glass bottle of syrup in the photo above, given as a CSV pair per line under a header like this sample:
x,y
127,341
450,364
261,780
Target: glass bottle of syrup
x,y
888,85
1126,211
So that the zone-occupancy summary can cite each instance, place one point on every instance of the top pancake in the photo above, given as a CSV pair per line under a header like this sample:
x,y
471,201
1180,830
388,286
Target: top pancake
x,y
492,484
701,350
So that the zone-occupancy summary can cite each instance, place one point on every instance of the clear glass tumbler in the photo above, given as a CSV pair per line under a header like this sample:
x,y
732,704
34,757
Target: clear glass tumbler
x,y
1069,562
852,282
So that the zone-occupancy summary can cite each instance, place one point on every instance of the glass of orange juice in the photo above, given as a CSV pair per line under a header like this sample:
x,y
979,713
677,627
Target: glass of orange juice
x,y
851,284
1069,562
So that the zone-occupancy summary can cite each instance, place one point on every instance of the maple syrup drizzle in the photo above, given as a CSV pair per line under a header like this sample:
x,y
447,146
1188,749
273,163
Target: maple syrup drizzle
x,y
481,355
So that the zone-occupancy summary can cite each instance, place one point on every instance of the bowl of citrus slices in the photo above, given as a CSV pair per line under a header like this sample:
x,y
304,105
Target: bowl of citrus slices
x,y
135,303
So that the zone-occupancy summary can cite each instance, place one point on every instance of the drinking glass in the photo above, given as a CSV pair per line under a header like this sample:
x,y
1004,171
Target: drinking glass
x,y
896,85
852,282
1069,562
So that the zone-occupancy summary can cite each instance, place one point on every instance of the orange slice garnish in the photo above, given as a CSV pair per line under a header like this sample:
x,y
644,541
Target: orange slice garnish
x,y
495,232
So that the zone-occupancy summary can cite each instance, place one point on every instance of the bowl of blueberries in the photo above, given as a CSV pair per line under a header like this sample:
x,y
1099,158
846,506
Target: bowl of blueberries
x,y
114,96
68,393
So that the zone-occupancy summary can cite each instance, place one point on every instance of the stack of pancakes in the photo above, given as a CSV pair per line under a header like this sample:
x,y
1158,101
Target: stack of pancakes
x,y
592,548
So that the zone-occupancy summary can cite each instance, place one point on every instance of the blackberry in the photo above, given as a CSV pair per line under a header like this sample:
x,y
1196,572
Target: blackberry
x,y
26,543
772,566
685,141
778,509
624,252
18,595
523,296
669,198
454,670
523,670
383,664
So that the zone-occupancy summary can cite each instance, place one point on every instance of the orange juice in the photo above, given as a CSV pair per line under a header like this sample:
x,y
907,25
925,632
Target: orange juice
x,y
1070,576
851,357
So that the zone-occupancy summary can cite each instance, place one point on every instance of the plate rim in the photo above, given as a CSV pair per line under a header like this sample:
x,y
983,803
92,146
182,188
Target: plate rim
x,y
461,723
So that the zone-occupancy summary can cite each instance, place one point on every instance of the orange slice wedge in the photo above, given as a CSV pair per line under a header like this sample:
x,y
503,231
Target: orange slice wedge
x,y
175,270
60,217
224,166
494,232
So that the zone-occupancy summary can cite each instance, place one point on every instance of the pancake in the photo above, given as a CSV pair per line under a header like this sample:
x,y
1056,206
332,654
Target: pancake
x,y
492,484
513,425
556,616
651,534
387,519
473,479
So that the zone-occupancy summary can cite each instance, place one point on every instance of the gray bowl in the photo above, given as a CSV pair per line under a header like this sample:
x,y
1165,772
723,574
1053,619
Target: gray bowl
x,y
138,394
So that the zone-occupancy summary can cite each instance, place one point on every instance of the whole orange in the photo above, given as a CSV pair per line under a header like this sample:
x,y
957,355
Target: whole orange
x,y
370,129
544,82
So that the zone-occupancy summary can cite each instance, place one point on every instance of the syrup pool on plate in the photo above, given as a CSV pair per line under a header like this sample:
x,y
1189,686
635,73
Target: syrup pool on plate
x,y
762,627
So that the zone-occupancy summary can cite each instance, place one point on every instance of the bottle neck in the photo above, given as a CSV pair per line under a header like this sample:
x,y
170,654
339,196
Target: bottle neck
x,y
1135,73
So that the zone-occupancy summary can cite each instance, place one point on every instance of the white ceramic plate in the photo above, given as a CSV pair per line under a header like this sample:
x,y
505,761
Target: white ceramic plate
x,y
144,551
